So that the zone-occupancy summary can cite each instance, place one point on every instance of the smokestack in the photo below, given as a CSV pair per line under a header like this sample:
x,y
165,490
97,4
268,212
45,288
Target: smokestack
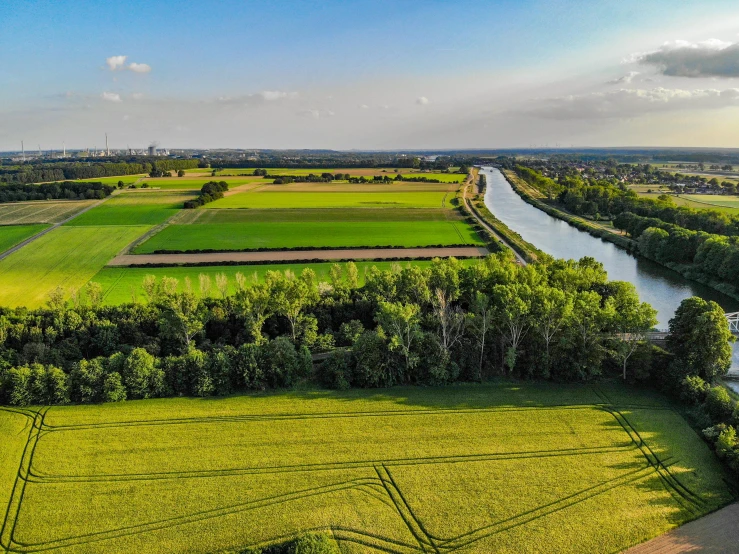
x,y
64,150
107,150
23,151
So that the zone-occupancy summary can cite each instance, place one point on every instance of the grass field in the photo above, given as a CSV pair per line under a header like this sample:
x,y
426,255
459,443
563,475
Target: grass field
x,y
10,235
708,201
471,468
135,208
67,256
127,179
192,183
241,236
40,211
293,199
120,284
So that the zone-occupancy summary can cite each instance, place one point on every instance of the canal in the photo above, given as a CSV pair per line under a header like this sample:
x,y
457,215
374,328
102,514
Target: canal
x,y
663,288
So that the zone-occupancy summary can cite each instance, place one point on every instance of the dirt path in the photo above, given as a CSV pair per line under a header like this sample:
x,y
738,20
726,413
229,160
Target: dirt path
x,y
52,227
482,222
717,533
299,255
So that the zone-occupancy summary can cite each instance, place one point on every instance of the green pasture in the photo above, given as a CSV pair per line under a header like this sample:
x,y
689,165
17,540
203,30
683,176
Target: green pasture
x,y
206,216
334,200
67,256
713,200
502,467
10,235
40,211
240,236
127,179
193,183
135,208
121,284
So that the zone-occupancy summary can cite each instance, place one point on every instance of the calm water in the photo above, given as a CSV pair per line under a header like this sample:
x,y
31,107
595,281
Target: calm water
x,y
664,289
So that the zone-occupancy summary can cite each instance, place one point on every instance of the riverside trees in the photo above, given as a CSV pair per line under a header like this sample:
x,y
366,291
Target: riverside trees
x,y
559,320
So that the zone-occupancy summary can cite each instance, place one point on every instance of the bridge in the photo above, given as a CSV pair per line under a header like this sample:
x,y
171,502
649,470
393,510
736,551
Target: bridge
x,y
660,335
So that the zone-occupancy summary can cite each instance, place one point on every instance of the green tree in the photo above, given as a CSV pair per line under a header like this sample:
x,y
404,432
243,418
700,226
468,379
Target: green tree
x,y
631,320
401,321
142,377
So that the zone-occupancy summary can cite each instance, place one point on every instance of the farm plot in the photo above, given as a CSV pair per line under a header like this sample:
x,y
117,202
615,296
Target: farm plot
x,y
10,235
67,257
23,213
123,284
193,183
492,468
135,208
706,201
253,229
292,199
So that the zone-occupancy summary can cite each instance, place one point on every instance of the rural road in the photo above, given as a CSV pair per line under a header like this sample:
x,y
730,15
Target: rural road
x,y
482,222
717,533
52,227
298,255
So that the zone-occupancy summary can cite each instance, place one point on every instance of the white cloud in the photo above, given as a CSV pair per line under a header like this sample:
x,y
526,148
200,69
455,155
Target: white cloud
x,y
628,103
315,114
270,95
680,58
137,95
624,79
422,100
111,96
139,67
116,62
363,107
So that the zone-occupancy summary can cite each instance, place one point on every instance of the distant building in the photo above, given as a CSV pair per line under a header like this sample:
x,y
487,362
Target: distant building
x,y
152,150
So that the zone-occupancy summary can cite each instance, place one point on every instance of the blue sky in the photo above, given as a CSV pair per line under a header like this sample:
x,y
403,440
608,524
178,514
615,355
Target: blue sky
x,y
379,74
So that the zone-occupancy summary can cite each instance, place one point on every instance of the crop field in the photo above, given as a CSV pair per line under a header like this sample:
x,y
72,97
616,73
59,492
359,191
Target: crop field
x,y
40,211
258,199
127,179
343,186
710,201
10,235
122,284
67,256
472,468
241,236
135,208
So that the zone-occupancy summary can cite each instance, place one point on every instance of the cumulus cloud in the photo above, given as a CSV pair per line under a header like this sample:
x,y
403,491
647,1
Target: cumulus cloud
x,y
624,79
628,103
111,96
710,58
422,100
116,62
139,67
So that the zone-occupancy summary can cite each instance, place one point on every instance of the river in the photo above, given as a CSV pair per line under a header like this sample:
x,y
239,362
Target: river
x,y
663,288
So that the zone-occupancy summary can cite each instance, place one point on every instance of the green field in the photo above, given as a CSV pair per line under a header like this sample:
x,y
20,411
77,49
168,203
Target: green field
x,y
135,208
40,211
120,284
334,200
127,179
10,235
193,183
245,236
726,204
472,468
67,256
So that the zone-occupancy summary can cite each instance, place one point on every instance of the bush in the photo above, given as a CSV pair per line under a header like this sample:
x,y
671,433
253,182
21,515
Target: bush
x,y
282,362
334,371
370,364
719,404
693,390
314,543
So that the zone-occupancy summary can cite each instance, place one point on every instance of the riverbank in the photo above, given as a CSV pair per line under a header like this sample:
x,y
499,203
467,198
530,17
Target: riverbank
x,y
535,198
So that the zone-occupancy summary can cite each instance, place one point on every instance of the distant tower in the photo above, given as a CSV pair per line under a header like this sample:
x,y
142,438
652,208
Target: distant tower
x,y
152,150
64,150
23,151
107,150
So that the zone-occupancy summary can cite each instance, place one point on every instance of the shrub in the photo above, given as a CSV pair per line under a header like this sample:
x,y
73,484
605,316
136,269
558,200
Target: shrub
x,y
719,404
334,371
314,543
693,390
282,362
370,364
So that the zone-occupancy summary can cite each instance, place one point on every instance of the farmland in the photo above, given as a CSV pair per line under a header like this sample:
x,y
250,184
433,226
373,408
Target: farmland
x,y
10,235
135,208
120,284
474,468
252,229
292,199
67,256
18,213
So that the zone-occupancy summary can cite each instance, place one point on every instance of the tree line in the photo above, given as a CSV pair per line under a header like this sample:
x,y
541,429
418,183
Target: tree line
x,y
209,192
60,171
55,191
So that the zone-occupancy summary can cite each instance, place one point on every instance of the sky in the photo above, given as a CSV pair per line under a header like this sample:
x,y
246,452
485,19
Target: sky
x,y
400,74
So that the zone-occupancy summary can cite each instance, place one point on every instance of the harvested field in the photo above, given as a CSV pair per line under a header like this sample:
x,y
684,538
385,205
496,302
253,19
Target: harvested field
x,y
206,216
476,468
334,254
351,187
10,235
120,284
67,256
42,211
